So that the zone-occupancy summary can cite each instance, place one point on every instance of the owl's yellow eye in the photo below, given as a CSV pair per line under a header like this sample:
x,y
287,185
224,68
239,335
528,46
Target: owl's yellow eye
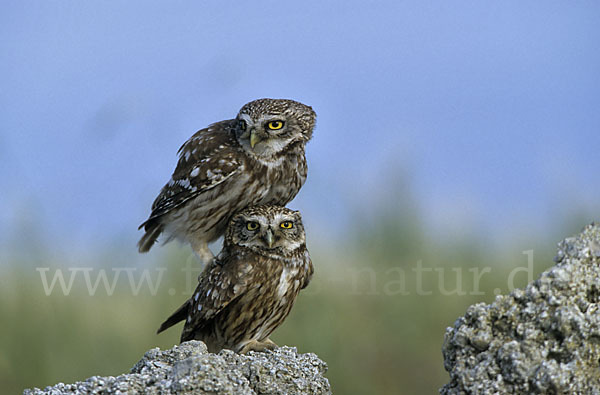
x,y
275,125
251,225
242,125
286,225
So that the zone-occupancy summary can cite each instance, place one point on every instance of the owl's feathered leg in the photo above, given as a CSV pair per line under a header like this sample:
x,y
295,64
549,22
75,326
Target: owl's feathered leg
x,y
269,344
255,345
203,252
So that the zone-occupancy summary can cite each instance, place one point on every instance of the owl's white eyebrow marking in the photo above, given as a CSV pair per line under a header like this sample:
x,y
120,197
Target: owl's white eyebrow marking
x,y
246,118
269,117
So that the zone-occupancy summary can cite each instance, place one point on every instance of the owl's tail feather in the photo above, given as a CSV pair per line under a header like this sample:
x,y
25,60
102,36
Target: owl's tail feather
x,y
179,315
153,230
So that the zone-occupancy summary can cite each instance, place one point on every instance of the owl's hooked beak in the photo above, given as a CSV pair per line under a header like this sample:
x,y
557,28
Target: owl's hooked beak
x,y
256,138
269,238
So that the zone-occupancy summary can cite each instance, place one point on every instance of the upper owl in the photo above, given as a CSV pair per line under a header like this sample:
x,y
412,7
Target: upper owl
x,y
255,159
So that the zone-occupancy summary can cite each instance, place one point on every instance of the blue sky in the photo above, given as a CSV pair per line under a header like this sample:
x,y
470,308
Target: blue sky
x,y
489,111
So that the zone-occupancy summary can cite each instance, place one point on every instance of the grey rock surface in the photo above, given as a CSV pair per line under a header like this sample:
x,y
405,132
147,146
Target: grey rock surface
x,y
542,339
190,369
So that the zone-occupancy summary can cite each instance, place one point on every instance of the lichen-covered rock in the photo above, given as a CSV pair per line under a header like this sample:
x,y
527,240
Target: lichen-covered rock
x,y
542,339
189,368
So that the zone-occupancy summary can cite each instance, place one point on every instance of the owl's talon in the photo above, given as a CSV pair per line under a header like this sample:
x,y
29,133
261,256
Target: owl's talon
x,y
257,346
269,344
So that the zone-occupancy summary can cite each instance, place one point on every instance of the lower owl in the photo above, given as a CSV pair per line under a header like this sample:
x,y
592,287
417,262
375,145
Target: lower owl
x,y
251,286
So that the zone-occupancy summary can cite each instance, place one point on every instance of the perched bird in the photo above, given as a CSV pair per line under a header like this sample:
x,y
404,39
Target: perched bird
x,y
249,288
255,159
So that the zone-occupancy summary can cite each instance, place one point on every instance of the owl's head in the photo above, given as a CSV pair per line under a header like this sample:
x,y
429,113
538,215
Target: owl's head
x,y
267,230
266,127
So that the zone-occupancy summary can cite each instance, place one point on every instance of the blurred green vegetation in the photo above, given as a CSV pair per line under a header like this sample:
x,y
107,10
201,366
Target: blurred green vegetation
x,y
363,314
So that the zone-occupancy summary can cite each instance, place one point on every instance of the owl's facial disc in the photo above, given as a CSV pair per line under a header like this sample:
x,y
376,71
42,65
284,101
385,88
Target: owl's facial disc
x,y
265,136
268,130
280,234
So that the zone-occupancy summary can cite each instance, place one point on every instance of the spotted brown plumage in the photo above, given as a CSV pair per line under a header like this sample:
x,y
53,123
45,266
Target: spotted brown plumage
x,y
250,287
258,158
